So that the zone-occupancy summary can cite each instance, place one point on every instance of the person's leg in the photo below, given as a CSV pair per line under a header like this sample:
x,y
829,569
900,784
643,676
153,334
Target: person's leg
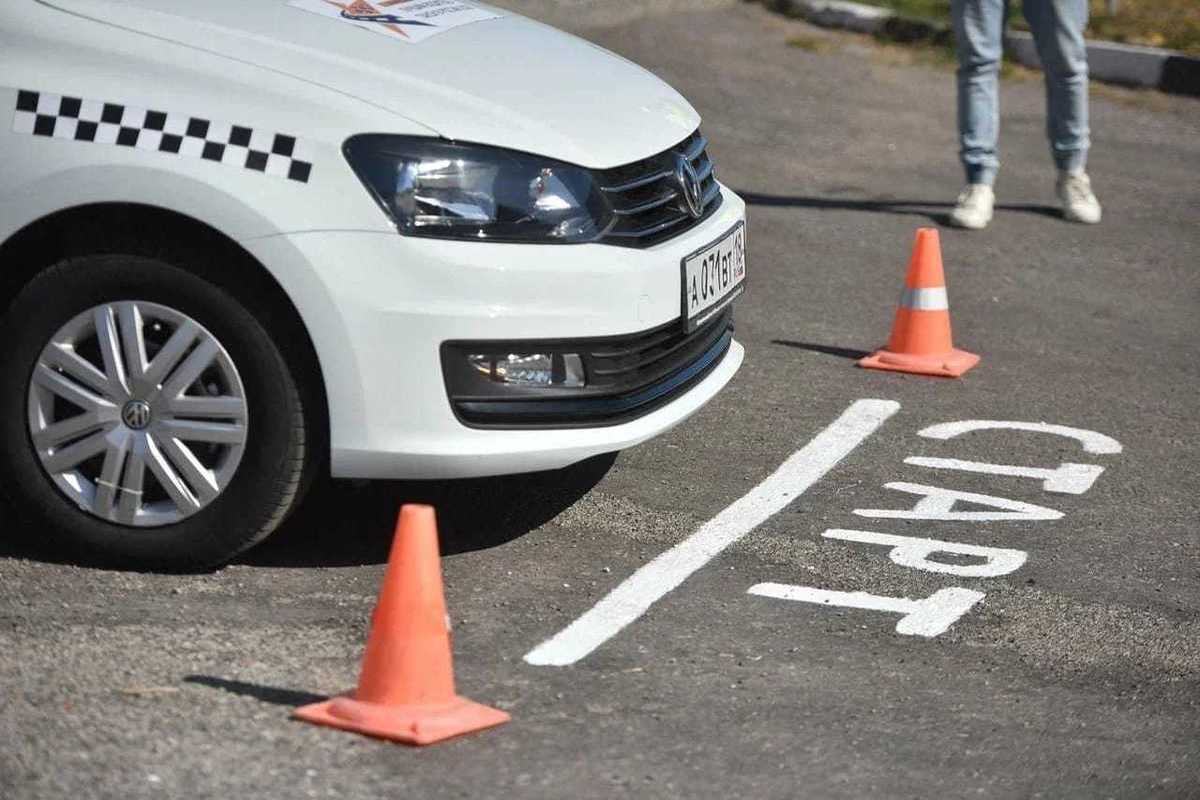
x,y
1057,27
978,34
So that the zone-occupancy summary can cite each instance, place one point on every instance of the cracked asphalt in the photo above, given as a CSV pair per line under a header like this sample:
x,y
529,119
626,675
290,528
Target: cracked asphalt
x,y
1077,675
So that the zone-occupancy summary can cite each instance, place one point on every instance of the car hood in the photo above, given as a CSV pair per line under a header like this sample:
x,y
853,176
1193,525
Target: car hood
x,y
507,81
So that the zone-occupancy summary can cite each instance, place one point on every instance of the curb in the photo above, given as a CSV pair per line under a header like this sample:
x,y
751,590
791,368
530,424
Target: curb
x,y
1111,62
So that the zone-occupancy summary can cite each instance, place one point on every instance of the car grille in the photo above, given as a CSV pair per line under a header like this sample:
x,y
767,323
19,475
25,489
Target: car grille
x,y
647,198
647,357
627,376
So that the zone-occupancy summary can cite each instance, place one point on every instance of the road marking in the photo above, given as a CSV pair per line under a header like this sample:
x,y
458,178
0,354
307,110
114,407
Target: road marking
x,y
910,551
1092,441
938,503
929,617
652,582
1065,479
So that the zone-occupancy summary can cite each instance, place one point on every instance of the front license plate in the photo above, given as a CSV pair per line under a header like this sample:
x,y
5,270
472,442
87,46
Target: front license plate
x,y
713,277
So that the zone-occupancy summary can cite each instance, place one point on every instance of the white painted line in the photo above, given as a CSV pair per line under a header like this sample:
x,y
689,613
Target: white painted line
x,y
910,551
652,582
929,617
1065,479
1092,441
938,503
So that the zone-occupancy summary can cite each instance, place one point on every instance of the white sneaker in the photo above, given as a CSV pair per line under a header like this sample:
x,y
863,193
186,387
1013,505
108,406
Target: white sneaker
x,y
1075,194
974,207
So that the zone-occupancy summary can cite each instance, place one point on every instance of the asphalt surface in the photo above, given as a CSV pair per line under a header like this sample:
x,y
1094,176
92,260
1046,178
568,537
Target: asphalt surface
x,y
1077,675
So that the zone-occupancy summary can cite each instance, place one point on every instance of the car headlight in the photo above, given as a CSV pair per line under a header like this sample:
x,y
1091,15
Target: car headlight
x,y
433,187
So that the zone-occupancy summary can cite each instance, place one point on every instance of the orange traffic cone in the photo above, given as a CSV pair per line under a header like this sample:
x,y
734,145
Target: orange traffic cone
x,y
406,689
920,341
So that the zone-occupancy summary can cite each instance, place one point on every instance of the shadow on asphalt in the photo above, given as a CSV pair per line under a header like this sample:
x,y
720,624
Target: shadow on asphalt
x,y
827,349
920,208
18,539
345,523
350,523
267,694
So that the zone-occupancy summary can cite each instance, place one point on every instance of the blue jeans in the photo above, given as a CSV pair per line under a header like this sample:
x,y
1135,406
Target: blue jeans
x,y
1057,27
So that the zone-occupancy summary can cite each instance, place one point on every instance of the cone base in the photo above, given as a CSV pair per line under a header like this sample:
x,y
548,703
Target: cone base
x,y
415,724
950,364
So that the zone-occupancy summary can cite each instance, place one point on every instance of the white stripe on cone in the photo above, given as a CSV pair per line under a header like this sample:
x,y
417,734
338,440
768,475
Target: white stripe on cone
x,y
927,299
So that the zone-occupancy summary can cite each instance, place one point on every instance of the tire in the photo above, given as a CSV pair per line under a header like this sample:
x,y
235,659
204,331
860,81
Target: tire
x,y
229,489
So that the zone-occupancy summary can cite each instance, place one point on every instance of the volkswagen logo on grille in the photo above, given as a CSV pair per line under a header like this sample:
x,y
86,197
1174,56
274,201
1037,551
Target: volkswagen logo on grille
x,y
136,414
689,186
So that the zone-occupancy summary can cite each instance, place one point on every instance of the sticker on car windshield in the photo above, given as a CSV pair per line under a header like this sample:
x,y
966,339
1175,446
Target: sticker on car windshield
x,y
402,20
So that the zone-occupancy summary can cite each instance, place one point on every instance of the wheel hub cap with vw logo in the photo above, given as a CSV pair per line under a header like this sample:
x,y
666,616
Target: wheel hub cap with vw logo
x,y
136,414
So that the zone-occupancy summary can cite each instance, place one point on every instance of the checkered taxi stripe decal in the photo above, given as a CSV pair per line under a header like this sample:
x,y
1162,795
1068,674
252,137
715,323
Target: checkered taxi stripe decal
x,y
64,117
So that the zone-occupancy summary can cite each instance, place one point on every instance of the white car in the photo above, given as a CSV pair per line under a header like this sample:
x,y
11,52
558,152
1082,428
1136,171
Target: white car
x,y
242,241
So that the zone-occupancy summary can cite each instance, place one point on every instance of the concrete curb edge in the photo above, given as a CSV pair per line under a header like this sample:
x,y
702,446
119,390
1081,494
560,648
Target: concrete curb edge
x,y
1111,62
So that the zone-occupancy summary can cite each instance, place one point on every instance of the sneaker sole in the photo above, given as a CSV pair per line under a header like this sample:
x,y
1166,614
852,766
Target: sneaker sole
x,y
969,226
1081,220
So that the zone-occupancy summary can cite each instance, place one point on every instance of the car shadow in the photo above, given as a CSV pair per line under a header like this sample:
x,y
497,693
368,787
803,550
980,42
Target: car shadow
x,y
351,523
935,211
19,539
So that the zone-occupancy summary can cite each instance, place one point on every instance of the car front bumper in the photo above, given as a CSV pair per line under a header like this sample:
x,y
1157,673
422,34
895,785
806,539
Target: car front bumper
x,y
379,308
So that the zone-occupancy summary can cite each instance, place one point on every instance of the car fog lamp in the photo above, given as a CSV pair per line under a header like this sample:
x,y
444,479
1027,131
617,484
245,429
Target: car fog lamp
x,y
531,369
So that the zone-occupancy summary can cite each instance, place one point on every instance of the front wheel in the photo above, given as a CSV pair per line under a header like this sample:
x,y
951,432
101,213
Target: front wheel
x,y
146,417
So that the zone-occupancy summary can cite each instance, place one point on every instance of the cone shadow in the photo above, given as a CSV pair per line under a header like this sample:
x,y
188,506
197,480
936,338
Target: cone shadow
x,y
267,694
829,350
